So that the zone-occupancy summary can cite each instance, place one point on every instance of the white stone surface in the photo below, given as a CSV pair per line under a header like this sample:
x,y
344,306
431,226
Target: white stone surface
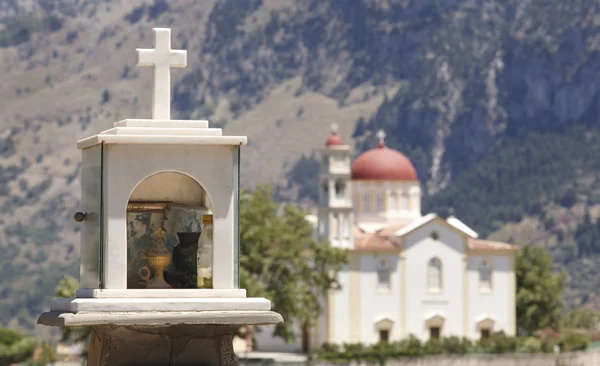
x,y
161,131
160,140
450,249
165,123
161,293
67,319
161,58
148,304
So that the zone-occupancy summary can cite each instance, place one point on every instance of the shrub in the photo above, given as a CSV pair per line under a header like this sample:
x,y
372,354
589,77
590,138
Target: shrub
x,y
14,347
456,345
574,341
433,347
530,345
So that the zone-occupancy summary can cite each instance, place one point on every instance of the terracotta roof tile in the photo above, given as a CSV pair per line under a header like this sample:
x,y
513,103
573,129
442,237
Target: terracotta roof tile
x,y
364,241
479,244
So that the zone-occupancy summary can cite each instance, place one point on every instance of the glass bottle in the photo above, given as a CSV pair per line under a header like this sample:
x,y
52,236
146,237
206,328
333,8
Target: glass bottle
x,y
205,249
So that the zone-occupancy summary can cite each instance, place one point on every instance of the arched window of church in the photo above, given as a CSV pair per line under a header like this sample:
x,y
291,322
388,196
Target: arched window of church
x,y
393,200
379,202
324,192
485,276
383,275
434,275
404,202
340,189
367,198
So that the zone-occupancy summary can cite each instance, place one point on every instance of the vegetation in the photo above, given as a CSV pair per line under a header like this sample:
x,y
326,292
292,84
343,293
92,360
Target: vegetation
x,y
498,343
14,347
67,288
539,291
18,30
519,177
582,319
281,261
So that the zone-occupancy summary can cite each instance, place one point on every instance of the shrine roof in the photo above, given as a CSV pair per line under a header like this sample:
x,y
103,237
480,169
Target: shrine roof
x,y
170,132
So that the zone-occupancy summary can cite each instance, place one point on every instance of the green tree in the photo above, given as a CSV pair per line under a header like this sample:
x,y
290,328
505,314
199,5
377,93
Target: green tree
x,y
582,318
14,348
539,290
67,288
280,260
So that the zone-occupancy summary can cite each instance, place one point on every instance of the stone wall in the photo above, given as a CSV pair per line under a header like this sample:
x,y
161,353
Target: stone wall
x,y
591,357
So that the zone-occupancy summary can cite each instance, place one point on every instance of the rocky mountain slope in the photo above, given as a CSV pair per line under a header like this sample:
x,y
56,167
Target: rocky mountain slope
x,y
493,100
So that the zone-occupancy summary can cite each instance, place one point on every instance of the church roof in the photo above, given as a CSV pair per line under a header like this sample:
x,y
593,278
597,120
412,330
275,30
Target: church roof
x,y
383,163
384,238
372,242
479,244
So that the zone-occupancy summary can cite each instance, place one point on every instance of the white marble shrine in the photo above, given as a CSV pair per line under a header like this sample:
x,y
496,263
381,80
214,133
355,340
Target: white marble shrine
x,y
147,185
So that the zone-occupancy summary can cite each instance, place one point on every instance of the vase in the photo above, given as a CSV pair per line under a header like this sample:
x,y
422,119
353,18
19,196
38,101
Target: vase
x,y
159,262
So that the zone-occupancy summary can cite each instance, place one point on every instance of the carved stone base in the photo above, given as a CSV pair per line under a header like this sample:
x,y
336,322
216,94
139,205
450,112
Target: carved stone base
x,y
161,345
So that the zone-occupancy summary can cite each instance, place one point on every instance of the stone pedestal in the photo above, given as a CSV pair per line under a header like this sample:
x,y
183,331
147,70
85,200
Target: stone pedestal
x,y
161,338
174,345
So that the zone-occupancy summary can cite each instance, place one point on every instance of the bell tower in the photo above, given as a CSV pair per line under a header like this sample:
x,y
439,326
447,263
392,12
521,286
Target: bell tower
x,y
335,192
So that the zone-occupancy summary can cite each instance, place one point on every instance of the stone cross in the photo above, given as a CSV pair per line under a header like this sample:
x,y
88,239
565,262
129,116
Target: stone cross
x,y
161,58
381,136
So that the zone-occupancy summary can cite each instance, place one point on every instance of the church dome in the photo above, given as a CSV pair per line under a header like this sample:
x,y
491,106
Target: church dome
x,y
383,163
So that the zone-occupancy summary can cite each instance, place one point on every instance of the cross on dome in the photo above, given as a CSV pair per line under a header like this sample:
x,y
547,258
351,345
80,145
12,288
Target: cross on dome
x,y
161,58
381,136
334,128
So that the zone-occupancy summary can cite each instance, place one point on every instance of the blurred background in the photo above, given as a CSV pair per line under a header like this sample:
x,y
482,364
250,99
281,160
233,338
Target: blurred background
x,y
495,102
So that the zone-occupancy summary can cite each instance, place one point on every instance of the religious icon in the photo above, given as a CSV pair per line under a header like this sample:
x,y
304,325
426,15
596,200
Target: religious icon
x,y
143,219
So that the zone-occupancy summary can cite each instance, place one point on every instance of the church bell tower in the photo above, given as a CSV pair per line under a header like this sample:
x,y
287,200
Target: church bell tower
x,y
335,193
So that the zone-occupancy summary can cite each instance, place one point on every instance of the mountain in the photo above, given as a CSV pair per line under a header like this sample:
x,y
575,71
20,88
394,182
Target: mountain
x,y
494,101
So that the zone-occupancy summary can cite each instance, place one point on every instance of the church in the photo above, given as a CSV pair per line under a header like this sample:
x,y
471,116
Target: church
x,y
408,273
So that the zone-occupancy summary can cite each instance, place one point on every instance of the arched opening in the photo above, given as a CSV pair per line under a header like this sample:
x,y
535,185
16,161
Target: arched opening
x,y
324,194
434,275
169,233
340,189
383,275
485,276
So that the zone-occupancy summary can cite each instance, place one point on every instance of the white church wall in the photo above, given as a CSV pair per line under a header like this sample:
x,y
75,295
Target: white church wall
x,y
339,329
499,301
378,304
390,201
449,302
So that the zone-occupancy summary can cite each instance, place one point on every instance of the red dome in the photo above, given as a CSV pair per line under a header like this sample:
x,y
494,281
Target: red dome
x,y
334,140
383,164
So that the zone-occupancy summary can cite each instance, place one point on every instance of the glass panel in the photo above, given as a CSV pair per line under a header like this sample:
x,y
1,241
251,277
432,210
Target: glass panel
x,y
90,275
147,245
236,223
169,245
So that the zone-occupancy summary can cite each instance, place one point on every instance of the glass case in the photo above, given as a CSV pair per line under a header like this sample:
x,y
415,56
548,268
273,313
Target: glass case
x,y
236,222
90,216
169,245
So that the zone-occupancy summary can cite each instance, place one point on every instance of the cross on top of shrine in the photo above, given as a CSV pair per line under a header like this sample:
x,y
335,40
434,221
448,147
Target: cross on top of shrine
x,y
161,58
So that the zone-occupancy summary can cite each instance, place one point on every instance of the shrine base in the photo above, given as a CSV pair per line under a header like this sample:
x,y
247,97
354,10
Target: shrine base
x,y
174,345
